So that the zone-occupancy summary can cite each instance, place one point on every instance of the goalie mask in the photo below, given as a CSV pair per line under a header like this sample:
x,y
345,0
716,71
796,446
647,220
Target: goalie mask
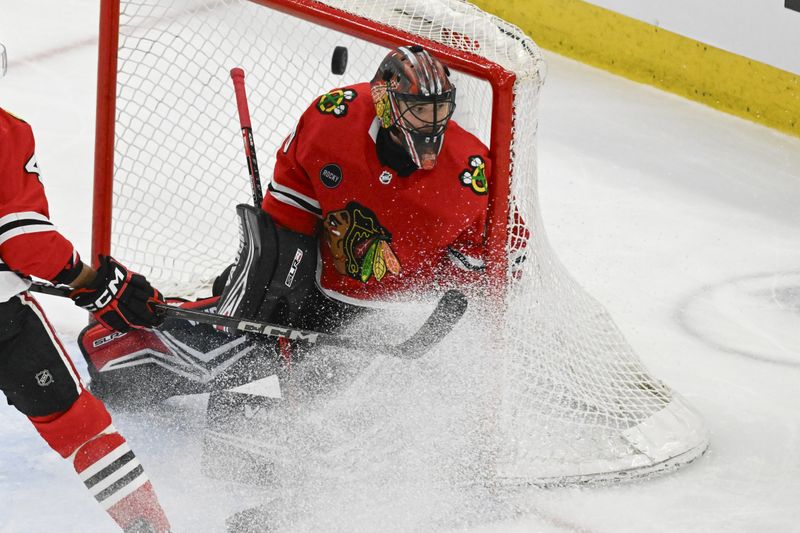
x,y
414,99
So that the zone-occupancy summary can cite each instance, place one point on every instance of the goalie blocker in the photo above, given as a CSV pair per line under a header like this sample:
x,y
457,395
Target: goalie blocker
x,y
272,279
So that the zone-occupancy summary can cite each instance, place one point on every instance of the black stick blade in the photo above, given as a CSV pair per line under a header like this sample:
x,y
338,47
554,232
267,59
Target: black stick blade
x,y
448,312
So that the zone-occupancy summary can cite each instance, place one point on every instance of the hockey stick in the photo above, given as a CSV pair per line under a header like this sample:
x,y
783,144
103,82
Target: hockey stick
x,y
237,75
449,310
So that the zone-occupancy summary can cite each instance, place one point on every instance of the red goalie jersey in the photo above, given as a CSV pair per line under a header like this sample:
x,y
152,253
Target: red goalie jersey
x,y
381,234
29,242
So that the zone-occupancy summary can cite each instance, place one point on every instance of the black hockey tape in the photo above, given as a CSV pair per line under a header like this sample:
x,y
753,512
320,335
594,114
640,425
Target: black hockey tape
x,y
339,60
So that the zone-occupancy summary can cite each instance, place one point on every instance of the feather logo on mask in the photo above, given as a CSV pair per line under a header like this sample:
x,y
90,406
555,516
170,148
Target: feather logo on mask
x,y
383,108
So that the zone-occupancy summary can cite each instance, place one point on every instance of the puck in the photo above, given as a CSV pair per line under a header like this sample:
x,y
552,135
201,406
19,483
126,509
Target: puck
x,y
339,60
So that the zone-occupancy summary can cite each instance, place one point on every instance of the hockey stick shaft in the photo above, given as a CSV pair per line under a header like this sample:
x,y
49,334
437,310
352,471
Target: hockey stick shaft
x,y
237,76
449,310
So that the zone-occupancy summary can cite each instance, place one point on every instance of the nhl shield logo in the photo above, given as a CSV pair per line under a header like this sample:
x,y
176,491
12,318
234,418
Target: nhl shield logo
x,y
385,177
44,378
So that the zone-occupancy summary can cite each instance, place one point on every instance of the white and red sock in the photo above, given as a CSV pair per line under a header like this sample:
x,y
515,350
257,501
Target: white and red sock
x,y
85,436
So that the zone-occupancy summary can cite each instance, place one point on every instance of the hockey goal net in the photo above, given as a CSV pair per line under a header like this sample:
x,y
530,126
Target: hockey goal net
x,y
575,402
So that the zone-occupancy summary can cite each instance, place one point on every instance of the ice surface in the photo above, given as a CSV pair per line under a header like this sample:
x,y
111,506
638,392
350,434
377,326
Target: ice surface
x,y
681,220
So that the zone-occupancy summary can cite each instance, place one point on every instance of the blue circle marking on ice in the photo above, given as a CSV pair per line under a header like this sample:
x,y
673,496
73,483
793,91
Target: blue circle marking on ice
x,y
756,316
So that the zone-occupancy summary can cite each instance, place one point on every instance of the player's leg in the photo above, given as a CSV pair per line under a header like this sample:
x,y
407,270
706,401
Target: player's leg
x,y
38,378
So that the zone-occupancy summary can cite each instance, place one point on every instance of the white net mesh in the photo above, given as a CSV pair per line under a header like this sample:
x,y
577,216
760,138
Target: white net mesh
x,y
574,402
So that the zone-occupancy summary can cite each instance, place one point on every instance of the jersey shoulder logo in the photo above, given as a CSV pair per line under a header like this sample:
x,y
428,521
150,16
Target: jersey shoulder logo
x,y
32,167
335,102
331,175
360,245
475,176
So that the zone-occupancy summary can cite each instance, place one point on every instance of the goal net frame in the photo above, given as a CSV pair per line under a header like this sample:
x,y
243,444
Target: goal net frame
x,y
576,403
502,82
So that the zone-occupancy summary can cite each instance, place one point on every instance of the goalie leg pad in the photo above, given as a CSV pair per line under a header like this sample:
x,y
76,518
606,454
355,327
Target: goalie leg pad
x,y
136,369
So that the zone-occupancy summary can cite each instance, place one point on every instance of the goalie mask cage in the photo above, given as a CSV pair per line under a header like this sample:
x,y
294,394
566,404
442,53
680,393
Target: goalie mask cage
x,y
576,404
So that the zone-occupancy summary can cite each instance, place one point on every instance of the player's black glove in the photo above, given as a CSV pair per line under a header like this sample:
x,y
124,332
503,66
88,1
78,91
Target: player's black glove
x,y
118,298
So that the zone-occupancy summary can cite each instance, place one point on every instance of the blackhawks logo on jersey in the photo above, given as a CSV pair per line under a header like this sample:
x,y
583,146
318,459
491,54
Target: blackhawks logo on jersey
x,y
475,175
335,102
360,245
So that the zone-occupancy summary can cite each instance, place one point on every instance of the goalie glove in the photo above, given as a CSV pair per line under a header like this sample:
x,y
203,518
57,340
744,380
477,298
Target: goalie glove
x,y
118,298
273,278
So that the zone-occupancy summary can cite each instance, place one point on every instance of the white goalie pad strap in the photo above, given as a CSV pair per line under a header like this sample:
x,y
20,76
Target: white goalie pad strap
x,y
465,262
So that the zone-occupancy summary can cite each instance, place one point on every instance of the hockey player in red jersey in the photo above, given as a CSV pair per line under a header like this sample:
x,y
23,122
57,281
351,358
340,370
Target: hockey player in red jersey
x,y
377,195
376,186
391,192
36,373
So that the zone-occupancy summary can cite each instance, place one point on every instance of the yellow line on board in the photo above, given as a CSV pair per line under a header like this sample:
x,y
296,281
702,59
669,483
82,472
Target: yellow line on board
x,y
647,54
